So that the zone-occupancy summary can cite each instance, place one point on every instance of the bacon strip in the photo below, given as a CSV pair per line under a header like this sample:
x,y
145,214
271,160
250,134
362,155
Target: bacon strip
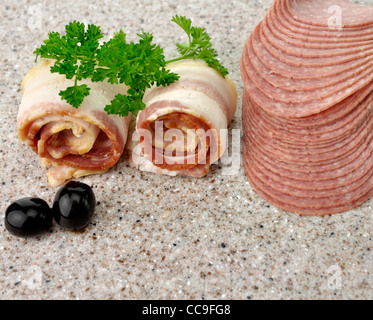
x,y
181,130
70,142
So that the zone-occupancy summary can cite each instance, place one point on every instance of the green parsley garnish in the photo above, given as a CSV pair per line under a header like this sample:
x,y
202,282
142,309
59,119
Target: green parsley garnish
x,y
76,57
199,46
140,65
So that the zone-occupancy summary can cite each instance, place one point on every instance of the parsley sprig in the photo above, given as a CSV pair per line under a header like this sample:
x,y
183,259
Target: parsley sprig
x,y
75,55
140,65
199,46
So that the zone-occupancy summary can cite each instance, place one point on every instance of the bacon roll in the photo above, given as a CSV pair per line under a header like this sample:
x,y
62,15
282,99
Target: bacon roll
x,y
183,129
71,142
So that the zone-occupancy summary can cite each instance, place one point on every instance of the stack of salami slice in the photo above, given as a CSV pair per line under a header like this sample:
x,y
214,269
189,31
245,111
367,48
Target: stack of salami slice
x,y
307,114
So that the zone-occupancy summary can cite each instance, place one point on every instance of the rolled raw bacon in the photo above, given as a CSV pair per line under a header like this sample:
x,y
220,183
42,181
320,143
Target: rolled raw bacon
x,y
70,142
307,111
183,129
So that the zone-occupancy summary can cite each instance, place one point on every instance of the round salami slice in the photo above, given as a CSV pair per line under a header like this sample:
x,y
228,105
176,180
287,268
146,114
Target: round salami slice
x,y
307,106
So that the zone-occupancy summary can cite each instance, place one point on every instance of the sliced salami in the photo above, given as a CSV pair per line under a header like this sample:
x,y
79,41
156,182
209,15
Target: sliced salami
x,y
307,107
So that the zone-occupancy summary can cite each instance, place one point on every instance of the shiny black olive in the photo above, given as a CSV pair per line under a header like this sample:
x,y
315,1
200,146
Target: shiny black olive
x,y
28,217
74,205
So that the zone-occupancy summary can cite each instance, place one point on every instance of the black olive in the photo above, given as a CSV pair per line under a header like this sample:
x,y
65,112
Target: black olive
x,y
74,205
28,217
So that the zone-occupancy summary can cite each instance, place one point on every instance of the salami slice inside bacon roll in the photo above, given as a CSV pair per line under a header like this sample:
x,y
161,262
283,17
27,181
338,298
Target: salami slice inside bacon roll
x,y
70,142
183,129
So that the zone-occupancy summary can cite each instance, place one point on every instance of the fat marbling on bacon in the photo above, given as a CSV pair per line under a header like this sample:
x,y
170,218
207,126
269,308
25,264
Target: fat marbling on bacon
x,y
307,110
70,142
183,128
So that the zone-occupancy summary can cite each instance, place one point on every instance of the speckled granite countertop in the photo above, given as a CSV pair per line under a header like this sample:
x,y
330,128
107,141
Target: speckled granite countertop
x,y
156,237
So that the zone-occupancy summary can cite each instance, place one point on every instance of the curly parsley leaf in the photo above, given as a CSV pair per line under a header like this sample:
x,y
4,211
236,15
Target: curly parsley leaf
x,y
75,54
199,45
138,65
75,95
